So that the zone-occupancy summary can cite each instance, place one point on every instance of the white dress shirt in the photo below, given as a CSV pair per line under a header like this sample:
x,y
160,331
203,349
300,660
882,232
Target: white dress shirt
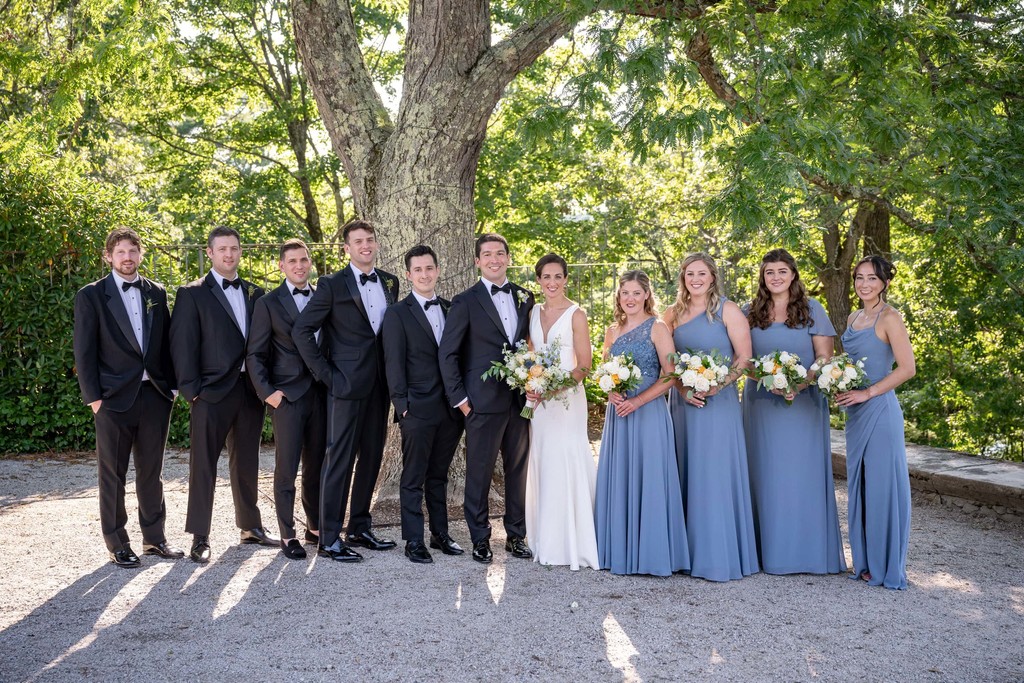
x,y
506,305
372,294
237,300
132,300
435,316
301,300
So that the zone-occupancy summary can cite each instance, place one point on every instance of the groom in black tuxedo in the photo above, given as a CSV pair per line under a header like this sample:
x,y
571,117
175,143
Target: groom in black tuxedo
x,y
431,428
123,362
348,309
299,402
209,327
485,319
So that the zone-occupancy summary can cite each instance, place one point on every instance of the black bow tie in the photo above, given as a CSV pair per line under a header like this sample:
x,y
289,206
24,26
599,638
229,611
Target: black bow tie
x,y
433,302
303,292
363,277
236,283
125,286
507,288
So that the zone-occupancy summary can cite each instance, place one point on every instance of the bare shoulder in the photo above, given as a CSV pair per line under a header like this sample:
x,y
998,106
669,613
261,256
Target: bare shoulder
x,y
731,312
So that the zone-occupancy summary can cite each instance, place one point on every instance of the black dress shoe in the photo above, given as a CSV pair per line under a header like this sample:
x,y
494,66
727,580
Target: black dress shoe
x,y
366,539
445,544
311,538
293,550
339,552
482,552
261,536
125,557
168,552
417,552
200,549
517,546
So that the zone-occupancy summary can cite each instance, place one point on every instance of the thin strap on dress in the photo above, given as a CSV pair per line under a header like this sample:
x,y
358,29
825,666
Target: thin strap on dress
x,y
875,324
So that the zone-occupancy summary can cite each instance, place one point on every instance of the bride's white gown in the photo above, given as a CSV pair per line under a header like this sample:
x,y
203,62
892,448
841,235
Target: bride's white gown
x,y
561,474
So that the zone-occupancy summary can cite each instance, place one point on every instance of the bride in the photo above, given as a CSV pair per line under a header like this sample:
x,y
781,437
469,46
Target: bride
x,y
561,474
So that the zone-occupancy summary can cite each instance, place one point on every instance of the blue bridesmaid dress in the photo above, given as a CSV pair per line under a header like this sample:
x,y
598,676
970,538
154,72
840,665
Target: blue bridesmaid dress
x,y
639,509
790,455
876,470
712,459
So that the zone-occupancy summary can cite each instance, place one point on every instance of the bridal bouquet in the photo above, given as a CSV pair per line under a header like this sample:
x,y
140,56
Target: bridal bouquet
x,y
619,373
698,371
839,373
778,370
539,372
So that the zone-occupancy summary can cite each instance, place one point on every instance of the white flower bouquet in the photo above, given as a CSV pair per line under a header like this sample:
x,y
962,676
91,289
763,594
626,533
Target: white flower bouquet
x,y
778,370
698,372
619,373
539,372
839,373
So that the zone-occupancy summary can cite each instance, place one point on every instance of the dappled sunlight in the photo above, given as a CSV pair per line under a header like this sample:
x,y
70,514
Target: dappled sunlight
x,y
458,596
496,580
116,611
941,580
1017,598
236,587
619,649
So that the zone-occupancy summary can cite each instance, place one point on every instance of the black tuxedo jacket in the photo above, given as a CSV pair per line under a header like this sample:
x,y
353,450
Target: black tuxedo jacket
x,y
473,337
271,358
349,358
410,354
108,359
207,344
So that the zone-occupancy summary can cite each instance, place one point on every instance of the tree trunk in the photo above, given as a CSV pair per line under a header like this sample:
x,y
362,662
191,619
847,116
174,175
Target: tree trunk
x,y
840,248
876,232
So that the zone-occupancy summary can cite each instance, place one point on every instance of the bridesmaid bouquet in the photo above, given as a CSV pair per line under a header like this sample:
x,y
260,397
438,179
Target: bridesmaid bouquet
x,y
539,372
698,371
839,373
619,373
778,370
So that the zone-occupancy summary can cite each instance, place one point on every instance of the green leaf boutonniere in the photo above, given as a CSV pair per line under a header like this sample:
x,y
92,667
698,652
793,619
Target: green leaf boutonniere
x,y
389,282
252,290
149,305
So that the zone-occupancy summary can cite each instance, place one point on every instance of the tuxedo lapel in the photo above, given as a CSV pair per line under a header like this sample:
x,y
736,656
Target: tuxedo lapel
x,y
116,306
147,312
417,312
353,287
218,294
522,310
487,302
284,294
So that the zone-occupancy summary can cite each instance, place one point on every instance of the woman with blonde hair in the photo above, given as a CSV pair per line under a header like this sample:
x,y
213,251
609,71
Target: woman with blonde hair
x,y
710,447
639,511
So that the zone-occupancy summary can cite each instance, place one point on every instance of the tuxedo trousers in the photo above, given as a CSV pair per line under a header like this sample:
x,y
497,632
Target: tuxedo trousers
x,y
236,421
428,446
356,430
142,430
300,435
486,435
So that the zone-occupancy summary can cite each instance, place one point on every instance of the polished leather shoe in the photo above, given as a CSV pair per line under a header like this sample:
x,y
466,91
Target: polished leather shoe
x,y
293,550
482,552
125,557
261,536
339,552
517,546
161,549
417,552
445,544
310,538
366,539
200,549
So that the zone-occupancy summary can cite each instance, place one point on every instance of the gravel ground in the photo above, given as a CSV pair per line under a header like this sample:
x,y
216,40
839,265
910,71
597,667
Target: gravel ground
x,y
69,615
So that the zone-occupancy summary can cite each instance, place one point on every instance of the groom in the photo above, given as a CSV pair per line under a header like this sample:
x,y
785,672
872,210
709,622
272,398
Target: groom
x,y
483,320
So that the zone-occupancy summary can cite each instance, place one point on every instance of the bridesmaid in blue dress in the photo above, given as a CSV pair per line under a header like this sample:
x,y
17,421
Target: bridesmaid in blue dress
x,y
876,455
639,509
710,448
788,446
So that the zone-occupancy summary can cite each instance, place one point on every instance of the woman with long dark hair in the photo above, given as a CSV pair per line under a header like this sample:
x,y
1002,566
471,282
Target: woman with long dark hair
x,y
788,444
876,454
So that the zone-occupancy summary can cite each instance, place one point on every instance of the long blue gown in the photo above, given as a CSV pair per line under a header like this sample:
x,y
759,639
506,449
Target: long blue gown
x,y
790,455
639,509
712,461
876,470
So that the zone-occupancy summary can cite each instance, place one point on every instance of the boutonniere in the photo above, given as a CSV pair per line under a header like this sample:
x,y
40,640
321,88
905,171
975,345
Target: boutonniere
x,y
523,296
149,305
251,290
389,282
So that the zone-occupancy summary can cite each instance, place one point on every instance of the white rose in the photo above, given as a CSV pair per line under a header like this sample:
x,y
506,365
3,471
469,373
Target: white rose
x,y
801,371
779,381
814,366
521,373
823,380
689,378
701,383
850,373
785,358
684,358
606,383
636,371
695,362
